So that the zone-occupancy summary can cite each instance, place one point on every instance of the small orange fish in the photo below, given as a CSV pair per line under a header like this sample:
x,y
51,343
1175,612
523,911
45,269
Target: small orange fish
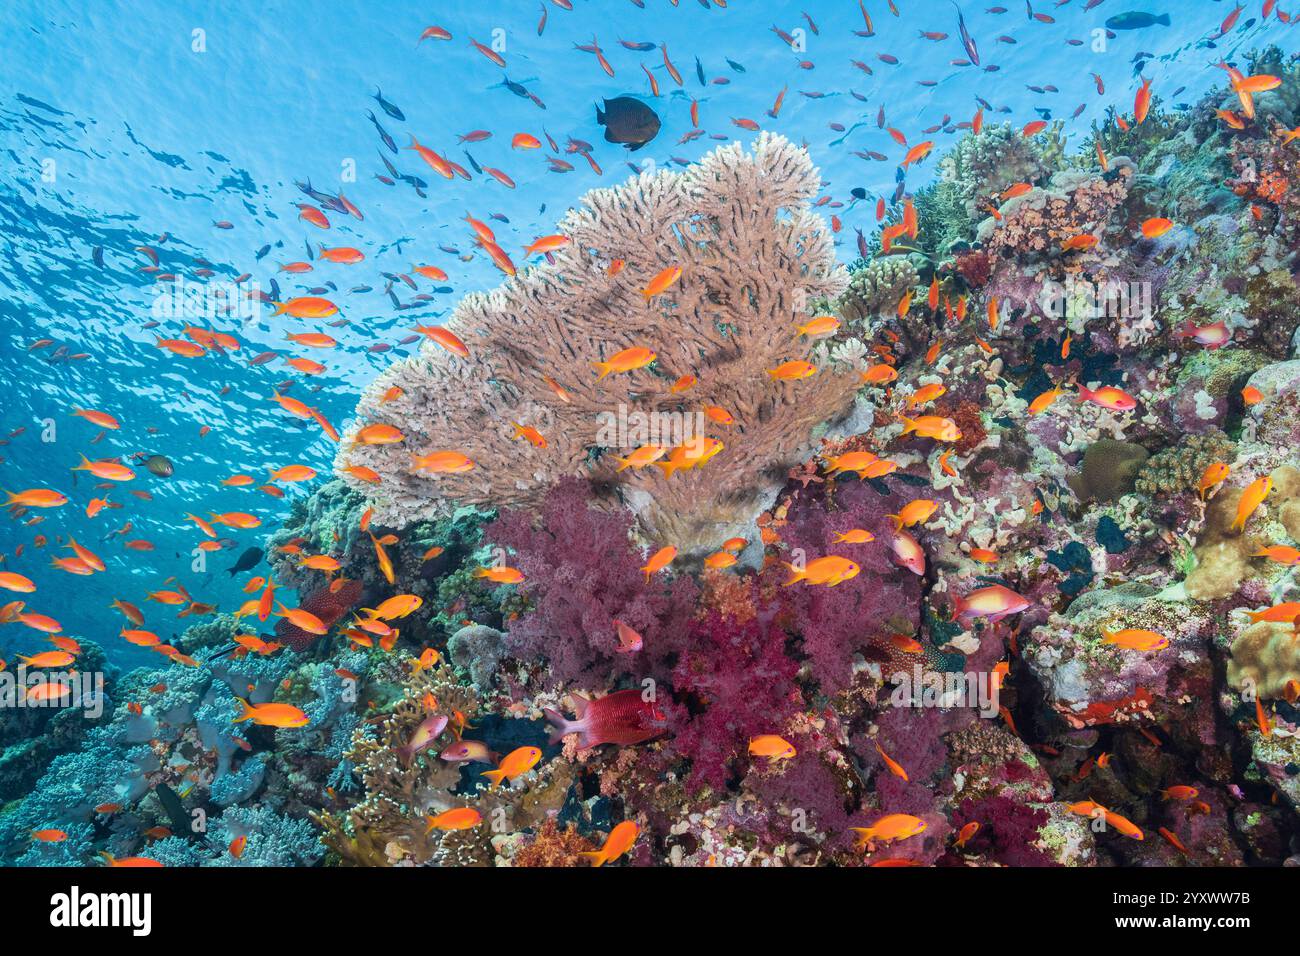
x,y
659,560
458,818
894,766
619,841
772,747
1251,499
1214,474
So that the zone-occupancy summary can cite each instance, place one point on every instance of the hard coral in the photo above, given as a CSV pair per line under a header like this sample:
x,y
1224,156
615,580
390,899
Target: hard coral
x,y
751,254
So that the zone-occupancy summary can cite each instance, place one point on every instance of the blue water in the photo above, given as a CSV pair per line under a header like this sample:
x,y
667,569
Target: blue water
x,y
115,131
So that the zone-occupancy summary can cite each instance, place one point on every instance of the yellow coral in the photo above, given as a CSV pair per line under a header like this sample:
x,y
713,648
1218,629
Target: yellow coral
x,y
1268,655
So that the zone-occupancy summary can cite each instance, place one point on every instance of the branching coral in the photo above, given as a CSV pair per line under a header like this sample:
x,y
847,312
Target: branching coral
x,y
752,257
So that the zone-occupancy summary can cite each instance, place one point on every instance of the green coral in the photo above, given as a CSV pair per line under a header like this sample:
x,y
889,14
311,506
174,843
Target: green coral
x,y
1219,370
1180,467
877,288
218,632
984,165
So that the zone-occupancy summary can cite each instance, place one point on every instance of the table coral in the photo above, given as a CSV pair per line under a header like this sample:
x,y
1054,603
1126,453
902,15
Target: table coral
x,y
752,257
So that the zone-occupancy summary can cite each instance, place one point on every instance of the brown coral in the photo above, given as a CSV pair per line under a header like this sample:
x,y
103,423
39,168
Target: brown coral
x,y
752,255
553,847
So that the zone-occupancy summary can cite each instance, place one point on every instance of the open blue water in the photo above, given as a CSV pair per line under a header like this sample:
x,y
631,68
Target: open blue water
x,y
122,123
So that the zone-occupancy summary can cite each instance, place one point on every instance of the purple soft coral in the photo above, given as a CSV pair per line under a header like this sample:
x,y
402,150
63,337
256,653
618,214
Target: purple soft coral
x,y
582,573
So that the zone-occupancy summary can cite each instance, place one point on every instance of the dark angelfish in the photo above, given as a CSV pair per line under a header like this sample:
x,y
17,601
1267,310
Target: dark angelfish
x,y
247,561
628,121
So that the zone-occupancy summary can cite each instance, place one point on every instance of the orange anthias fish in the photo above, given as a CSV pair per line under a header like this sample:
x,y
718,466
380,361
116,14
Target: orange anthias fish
x,y
271,715
619,841
458,818
792,371
917,511
662,282
1136,639
501,575
514,764
829,570
1215,473
1142,102
889,828
894,766
1251,499
1280,554
772,747
625,361
659,560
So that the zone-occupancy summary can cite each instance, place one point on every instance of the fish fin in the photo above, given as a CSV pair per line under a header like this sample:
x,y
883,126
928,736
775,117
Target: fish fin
x,y
580,705
600,115
1163,19
496,776
561,725
597,857
246,713
798,575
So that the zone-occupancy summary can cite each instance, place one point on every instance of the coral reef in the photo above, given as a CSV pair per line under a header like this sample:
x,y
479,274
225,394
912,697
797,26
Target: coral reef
x,y
751,257
923,607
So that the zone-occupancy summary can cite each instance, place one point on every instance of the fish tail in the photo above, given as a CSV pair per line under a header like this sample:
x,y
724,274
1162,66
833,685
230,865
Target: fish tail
x,y
910,426
898,521
1163,19
958,607
561,725
797,574
597,857
246,713
604,369
496,776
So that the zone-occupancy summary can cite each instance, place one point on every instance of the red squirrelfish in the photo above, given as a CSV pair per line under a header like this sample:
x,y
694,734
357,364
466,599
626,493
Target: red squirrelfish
x,y
618,718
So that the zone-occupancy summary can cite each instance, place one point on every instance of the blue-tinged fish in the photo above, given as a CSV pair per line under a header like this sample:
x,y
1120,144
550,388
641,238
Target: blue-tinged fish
x,y
383,133
1136,20
389,108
